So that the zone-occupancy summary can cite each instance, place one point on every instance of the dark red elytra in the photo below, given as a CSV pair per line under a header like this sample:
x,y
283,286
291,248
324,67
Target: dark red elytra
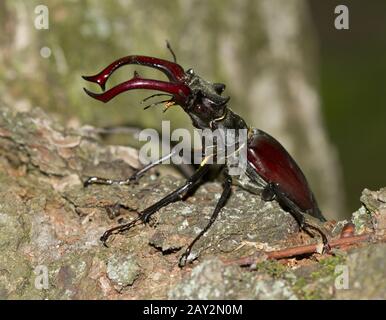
x,y
275,165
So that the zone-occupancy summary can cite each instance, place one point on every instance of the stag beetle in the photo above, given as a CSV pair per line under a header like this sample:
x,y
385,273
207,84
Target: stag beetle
x,y
271,172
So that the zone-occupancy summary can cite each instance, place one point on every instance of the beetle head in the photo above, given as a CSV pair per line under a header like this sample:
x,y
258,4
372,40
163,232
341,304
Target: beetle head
x,y
206,102
202,100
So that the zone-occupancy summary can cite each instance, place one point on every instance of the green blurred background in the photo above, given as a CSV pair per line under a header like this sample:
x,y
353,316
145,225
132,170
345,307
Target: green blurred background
x,y
353,91
319,90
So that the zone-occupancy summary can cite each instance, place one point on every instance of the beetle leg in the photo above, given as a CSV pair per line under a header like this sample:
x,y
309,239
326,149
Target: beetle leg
x,y
268,193
172,197
134,177
220,204
305,223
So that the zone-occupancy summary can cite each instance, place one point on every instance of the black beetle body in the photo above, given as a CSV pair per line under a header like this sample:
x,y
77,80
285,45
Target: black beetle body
x,y
270,171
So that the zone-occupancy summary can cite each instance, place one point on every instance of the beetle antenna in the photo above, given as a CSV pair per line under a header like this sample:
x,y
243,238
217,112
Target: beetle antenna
x,y
171,51
155,95
155,104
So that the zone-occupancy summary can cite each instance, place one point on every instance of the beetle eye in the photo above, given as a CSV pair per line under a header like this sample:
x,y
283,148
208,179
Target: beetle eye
x,y
219,87
190,71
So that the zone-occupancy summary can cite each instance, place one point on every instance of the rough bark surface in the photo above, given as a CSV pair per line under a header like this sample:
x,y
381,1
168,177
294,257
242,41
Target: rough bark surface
x,y
49,220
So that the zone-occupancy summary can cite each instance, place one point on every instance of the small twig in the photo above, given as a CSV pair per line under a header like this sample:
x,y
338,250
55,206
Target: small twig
x,y
312,248
299,250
